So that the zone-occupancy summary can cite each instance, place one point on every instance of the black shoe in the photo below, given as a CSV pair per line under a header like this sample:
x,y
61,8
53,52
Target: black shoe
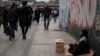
x,y
13,37
24,37
47,29
10,38
44,28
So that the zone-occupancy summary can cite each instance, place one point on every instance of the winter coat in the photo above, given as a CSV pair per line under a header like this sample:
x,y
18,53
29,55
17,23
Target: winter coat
x,y
25,15
37,13
46,12
11,15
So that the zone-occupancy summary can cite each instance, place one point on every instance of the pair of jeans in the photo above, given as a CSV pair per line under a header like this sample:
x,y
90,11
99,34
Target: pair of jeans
x,y
33,18
24,30
12,28
46,23
16,25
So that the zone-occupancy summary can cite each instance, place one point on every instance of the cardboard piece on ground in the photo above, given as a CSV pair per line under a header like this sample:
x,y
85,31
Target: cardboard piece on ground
x,y
59,45
66,47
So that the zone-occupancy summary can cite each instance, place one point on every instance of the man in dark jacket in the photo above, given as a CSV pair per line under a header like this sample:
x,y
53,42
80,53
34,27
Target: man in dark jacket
x,y
12,20
25,17
46,12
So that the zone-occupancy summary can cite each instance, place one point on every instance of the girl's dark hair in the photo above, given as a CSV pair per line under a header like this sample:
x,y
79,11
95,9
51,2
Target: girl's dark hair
x,y
84,33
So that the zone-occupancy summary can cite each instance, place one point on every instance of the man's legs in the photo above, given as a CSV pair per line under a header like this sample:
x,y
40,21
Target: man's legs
x,y
44,23
23,31
48,23
16,25
12,34
26,30
55,19
38,19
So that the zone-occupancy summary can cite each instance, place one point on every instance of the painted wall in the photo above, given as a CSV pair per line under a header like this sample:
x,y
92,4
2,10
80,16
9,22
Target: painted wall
x,y
82,13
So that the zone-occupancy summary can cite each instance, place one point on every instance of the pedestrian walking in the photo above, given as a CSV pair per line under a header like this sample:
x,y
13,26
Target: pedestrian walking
x,y
12,20
55,14
46,12
37,15
33,17
5,22
25,18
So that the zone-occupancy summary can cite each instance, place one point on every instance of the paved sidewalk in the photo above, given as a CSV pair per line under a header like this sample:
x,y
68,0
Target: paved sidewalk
x,y
43,41
38,43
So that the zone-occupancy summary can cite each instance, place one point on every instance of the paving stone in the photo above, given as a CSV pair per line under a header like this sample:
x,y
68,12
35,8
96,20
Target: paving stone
x,y
38,43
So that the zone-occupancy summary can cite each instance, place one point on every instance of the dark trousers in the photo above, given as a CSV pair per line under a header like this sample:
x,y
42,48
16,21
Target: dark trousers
x,y
37,19
16,25
46,23
24,30
12,28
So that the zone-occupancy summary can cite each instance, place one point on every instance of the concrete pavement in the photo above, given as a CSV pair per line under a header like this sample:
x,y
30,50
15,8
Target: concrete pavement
x,y
38,43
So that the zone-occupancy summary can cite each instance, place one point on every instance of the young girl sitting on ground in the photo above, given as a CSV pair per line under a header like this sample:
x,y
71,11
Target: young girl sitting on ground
x,y
82,46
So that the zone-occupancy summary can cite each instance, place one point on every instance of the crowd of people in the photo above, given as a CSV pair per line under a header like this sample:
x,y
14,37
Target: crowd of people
x,y
24,16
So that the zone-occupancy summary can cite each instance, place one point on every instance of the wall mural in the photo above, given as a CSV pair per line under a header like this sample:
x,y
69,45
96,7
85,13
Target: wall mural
x,y
64,9
97,21
82,13
86,14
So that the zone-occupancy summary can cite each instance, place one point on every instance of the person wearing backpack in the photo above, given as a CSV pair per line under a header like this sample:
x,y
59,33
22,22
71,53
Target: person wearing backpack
x,y
46,13
24,18
12,20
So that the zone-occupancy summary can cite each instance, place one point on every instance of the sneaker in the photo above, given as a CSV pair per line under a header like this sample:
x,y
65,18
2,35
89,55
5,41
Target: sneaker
x,y
13,37
47,29
24,37
10,38
44,28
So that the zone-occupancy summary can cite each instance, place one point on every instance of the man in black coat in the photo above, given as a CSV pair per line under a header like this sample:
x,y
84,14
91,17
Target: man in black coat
x,y
46,12
25,17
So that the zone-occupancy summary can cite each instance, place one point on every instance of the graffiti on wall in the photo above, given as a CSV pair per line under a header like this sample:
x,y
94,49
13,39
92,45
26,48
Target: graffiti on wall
x,y
97,21
97,25
64,9
82,13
